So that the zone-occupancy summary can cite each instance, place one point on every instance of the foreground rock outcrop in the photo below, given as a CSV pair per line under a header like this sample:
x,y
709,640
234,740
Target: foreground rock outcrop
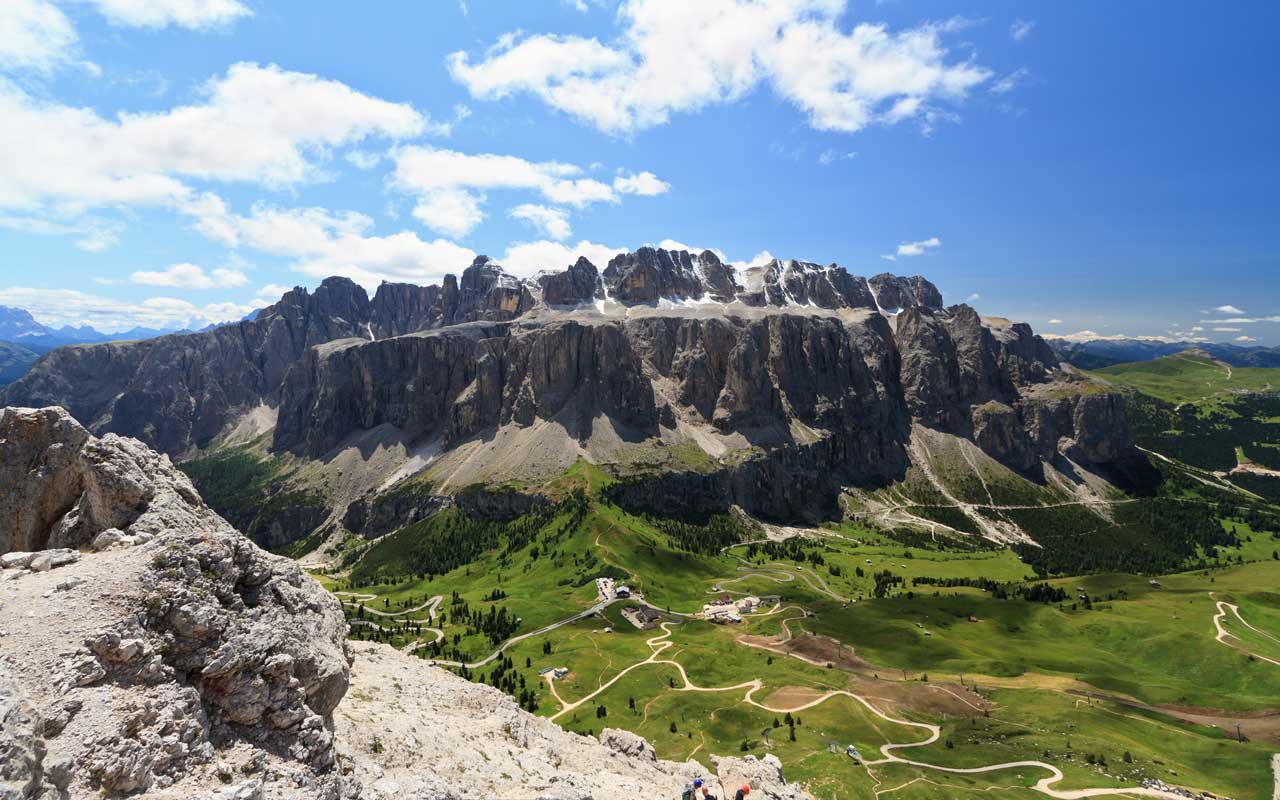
x,y
170,657
176,647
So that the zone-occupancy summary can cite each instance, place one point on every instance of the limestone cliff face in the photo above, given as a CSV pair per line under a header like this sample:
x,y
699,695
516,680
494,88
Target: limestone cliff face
x,y
818,373
178,392
580,283
1000,385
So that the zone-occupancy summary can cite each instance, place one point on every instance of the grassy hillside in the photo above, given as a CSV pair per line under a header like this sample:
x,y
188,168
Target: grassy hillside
x,y
15,360
1108,677
1190,377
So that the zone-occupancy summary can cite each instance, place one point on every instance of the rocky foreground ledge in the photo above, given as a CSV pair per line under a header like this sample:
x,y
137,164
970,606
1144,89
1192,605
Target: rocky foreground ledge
x,y
149,649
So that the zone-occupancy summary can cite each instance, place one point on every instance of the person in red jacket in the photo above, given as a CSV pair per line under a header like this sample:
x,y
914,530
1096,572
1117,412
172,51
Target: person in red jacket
x,y
742,793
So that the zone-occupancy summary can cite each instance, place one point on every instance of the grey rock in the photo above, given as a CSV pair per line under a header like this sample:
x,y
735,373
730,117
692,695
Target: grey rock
x,y
894,292
107,538
580,283
16,559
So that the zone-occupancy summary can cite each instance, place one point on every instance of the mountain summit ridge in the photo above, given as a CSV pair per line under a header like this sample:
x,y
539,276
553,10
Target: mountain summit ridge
x,y
788,380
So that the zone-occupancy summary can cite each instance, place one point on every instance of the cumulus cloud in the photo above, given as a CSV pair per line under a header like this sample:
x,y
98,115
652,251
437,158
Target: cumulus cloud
x,y
191,276
1021,29
451,186
321,243
553,222
645,184
71,307
1228,309
363,159
272,291
675,56
35,35
1245,339
916,248
454,212
193,14
973,298
529,258
256,124
1055,322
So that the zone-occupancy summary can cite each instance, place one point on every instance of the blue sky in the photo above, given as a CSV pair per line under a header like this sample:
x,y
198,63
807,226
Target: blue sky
x,y
1111,166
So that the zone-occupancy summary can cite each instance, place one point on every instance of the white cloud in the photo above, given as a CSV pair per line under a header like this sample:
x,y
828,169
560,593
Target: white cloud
x,y
1055,322
645,184
363,159
455,212
1222,329
1196,328
1094,336
35,35
424,170
1245,339
450,186
255,124
95,234
191,276
1229,309
676,56
918,248
553,222
323,243
1020,29
529,258
1241,320
1007,83
70,307
888,257
272,291
194,14
831,155
758,260
973,298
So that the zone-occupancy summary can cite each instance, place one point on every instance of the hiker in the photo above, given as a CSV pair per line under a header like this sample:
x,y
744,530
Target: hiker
x,y
742,793
707,795
691,790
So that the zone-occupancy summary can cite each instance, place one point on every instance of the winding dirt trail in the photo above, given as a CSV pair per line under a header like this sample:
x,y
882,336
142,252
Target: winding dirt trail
x,y
1226,609
659,644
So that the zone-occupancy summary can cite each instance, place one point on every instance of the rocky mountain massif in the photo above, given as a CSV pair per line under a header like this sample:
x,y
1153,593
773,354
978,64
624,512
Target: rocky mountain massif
x,y
146,647
770,388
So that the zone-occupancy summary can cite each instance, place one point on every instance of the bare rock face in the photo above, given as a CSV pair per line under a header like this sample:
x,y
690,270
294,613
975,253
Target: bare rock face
x,y
487,293
999,384
178,642
648,274
801,283
580,283
64,487
899,292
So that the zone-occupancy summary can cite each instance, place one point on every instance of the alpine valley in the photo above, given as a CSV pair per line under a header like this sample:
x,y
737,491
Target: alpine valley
x,y
781,524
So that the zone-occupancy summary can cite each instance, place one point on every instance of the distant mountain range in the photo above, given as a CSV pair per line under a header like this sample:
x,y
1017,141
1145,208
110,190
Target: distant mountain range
x,y
23,339
1098,353
19,327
